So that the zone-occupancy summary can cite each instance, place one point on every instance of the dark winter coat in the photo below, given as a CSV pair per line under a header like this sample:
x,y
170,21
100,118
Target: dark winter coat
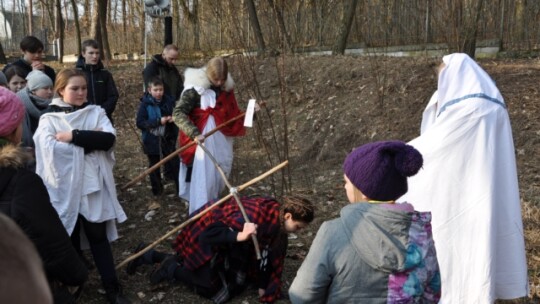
x,y
174,85
101,87
27,68
24,198
152,143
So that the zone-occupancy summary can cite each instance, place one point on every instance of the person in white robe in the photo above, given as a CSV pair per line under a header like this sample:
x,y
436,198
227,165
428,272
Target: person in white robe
x,y
74,157
469,183
207,101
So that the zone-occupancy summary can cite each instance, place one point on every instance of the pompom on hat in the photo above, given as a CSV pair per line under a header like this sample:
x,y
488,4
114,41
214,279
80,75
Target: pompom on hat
x,y
11,112
380,169
36,80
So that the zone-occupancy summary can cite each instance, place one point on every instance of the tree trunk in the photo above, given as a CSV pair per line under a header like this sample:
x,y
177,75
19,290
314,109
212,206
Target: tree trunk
x,y
30,19
283,30
77,26
94,24
196,25
3,59
60,31
254,21
102,16
345,27
469,29
85,19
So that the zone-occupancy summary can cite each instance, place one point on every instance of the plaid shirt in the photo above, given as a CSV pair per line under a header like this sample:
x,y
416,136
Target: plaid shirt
x,y
262,211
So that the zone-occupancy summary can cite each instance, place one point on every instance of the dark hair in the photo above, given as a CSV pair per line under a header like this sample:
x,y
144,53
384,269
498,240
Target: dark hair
x,y
14,70
89,43
31,44
300,208
63,77
155,81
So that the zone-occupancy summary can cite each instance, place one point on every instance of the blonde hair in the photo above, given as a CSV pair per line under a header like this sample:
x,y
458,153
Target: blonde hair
x,y
217,69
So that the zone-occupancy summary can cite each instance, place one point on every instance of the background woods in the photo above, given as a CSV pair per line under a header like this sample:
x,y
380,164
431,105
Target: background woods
x,y
266,25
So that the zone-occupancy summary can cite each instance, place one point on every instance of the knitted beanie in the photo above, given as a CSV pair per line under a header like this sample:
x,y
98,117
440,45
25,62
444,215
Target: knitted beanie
x,y
380,169
11,112
3,79
37,79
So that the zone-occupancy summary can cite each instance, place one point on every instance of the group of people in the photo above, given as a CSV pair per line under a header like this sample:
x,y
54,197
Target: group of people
x,y
458,178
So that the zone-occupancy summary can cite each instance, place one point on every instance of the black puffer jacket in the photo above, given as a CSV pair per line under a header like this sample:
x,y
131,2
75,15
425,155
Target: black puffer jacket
x,y
24,198
101,87
172,79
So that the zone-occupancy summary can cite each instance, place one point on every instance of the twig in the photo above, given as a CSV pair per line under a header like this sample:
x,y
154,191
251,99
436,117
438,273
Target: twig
x,y
175,153
234,192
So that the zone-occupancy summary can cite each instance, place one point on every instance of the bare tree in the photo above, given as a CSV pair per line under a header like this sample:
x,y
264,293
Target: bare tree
x,y
469,30
102,16
59,25
3,59
193,18
345,26
77,26
254,21
30,17
281,23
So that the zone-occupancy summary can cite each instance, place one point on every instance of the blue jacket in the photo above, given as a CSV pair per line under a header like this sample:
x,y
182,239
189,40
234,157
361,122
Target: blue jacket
x,y
149,117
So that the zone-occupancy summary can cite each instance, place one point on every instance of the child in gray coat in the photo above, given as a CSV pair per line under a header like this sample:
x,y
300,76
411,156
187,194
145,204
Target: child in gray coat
x,y
377,251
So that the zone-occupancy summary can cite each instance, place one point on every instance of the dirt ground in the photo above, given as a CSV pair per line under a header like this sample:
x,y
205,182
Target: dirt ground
x,y
331,105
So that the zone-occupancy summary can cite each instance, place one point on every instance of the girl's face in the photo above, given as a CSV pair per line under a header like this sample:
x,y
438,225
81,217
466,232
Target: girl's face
x,y
292,225
353,194
75,91
217,83
16,83
45,93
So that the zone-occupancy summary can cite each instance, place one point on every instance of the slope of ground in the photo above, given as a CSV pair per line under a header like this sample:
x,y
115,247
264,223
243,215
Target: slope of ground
x,y
332,104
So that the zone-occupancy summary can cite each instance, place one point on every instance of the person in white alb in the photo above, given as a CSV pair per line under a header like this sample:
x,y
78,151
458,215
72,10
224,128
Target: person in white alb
x,y
469,183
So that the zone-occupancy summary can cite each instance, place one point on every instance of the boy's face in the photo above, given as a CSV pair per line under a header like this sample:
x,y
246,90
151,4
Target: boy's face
x,y
91,55
33,57
156,91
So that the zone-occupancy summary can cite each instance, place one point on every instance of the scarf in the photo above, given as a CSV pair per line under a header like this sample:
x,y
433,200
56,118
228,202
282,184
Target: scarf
x,y
35,107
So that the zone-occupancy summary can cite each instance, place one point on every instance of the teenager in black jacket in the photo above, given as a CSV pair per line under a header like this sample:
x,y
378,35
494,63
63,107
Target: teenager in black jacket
x,y
101,87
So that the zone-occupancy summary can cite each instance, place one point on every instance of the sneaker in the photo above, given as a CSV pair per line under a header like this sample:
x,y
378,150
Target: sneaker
x,y
165,272
132,266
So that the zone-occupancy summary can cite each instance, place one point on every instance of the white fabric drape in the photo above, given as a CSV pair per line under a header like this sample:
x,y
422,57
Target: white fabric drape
x,y
469,183
78,183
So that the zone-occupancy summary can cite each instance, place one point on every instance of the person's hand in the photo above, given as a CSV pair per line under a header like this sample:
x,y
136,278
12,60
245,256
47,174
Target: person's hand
x,y
170,119
164,120
261,292
199,139
98,129
38,65
249,229
65,136
257,107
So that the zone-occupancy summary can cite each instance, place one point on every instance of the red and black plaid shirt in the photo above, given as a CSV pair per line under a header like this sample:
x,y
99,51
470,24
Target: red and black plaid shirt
x,y
262,211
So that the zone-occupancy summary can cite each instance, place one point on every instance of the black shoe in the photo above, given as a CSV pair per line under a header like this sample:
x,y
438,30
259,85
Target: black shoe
x,y
132,266
115,295
165,272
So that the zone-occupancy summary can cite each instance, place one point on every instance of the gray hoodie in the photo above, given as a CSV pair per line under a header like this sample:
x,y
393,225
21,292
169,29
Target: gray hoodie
x,y
371,254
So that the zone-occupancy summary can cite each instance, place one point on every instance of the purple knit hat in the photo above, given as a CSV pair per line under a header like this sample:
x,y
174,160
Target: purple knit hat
x,y
11,112
380,169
